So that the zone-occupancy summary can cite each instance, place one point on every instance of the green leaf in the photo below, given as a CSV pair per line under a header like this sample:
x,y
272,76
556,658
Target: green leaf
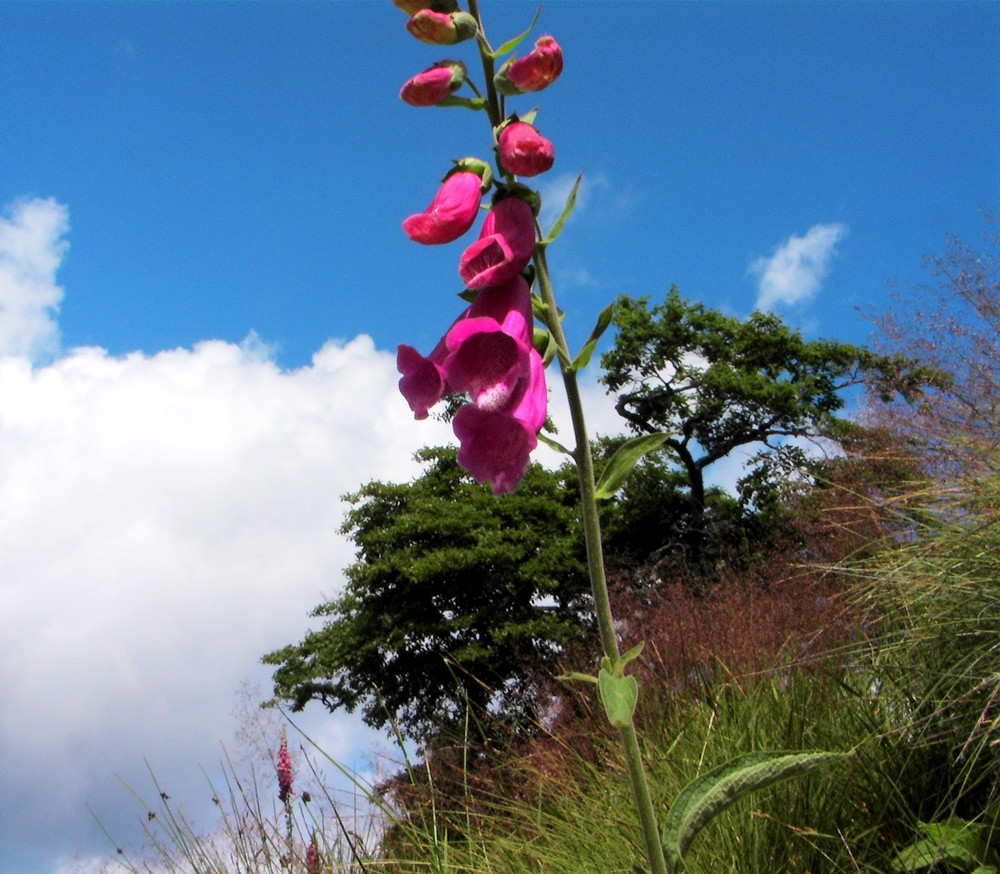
x,y
512,44
619,694
625,458
603,321
553,444
716,790
575,675
473,103
953,842
566,213
529,116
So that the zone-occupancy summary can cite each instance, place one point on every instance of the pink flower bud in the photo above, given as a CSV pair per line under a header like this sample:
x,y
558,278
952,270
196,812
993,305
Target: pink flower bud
x,y
505,245
440,28
524,151
450,214
535,71
434,84
411,6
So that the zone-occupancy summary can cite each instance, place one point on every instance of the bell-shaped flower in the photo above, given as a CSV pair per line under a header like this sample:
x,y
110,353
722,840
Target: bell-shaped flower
x,y
434,84
423,383
426,380
488,354
488,347
442,28
535,71
505,245
497,442
451,213
524,151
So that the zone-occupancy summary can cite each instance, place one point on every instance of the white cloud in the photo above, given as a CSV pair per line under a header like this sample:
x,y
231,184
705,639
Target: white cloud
x,y
31,249
794,272
166,519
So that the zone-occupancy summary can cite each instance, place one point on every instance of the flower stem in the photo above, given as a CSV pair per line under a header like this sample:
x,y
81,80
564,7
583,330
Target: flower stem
x,y
493,106
595,562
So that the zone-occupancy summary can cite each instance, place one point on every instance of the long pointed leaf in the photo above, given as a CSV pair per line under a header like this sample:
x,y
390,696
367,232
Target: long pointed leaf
x,y
625,458
707,796
512,44
603,321
565,214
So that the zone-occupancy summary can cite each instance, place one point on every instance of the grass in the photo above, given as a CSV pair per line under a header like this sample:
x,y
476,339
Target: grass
x,y
893,656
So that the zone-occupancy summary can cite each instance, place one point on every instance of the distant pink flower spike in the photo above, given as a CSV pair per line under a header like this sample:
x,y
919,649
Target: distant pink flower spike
x,y
524,151
450,214
314,864
284,769
504,248
535,71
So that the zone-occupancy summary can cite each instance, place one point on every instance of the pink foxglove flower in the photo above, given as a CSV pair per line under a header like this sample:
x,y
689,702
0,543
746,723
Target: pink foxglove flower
x,y
505,245
535,71
524,151
425,380
488,346
442,28
488,354
450,214
284,769
496,443
423,383
434,84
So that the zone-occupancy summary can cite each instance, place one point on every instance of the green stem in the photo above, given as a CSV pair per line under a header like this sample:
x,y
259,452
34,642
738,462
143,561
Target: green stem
x,y
595,563
493,108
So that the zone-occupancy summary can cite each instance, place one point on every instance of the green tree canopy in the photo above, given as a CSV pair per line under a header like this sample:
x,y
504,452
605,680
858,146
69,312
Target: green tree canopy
x,y
456,598
715,383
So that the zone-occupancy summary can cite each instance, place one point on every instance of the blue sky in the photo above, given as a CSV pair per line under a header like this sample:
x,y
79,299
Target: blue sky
x,y
235,167
178,177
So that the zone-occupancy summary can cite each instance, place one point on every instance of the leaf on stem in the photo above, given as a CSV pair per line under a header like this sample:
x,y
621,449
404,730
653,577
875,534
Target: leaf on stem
x,y
554,444
473,103
512,44
625,458
619,695
603,321
716,790
564,216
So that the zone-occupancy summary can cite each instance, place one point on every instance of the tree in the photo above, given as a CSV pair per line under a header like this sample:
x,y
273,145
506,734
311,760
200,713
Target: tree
x,y
457,599
953,326
714,383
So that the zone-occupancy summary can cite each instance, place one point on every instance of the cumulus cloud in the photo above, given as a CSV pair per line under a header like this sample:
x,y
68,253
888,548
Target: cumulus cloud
x,y
794,273
32,246
165,519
